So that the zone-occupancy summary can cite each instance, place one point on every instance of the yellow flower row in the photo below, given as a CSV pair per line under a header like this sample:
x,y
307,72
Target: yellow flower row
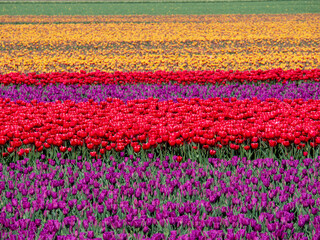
x,y
48,61
136,43
80,34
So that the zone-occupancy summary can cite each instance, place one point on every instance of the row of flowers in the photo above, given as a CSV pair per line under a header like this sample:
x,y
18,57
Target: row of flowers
x,y
163,77
167,31
233,199
112,57
99,93
146,123
151,43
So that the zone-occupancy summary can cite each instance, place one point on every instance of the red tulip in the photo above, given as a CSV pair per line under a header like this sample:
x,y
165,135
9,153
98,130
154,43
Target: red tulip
x,y
10,149
63,149
254,145
272,143
21,152
90,146
2,141
108,148
212,152
146,146
137,148
46,145
27,150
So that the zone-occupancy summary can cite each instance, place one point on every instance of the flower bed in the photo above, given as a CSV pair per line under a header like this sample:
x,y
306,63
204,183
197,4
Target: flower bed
x,y
164,92
163,77
160,198
112,124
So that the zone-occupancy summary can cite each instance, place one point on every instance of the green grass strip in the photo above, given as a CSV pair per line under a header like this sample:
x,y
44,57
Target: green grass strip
x,y
159,8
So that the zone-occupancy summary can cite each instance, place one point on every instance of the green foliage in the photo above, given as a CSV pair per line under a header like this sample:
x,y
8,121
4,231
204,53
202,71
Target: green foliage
x,y
159,8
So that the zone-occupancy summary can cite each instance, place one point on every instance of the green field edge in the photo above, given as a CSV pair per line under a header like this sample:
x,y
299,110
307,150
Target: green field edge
x,y
160,8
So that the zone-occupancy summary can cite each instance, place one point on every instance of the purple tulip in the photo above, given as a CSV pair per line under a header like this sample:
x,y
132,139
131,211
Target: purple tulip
x,y
100,209
90,235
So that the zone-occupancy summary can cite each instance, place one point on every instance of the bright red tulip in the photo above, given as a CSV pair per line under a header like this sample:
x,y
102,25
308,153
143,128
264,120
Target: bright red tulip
x,y
212,152
137,148
93,154
63,149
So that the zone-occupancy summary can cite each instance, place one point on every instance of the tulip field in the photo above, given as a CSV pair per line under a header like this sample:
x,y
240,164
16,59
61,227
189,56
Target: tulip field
x,y
160,127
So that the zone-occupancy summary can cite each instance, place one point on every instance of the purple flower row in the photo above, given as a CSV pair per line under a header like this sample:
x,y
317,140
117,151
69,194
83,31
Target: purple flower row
x,y
99,93
230,199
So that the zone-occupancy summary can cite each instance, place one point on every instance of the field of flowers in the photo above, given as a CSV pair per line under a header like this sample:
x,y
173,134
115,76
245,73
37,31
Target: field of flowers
x,y
160,127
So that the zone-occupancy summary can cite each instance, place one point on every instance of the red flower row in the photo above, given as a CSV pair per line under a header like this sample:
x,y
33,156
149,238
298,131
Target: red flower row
x,y
147,123
160,77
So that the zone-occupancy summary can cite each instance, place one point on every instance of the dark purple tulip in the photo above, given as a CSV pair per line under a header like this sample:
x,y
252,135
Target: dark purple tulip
x,y
149,222
71,203
89,196
100,209
65,211
25,203
24,192
9,195
151,208
55,204
137,223
62,204
90,235
31,191
181,210
85,224
74,191
258,227
138,193
79,207
314,211
271,227
37,222
108,235
145,229
10,185
9,208
54,195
